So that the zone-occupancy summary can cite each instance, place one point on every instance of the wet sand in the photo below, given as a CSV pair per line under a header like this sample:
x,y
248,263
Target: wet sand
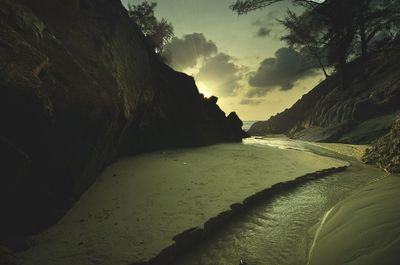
x,y
282,230
140,203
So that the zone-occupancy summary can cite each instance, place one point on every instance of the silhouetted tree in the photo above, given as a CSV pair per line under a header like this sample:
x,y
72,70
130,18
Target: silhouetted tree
x,y
245,6
325,28
338,23
375,17
304,34
157,32
349,26
335,28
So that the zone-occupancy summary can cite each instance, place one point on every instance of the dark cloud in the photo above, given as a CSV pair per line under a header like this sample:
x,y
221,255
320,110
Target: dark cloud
x,y
217,71
221,74
268,19
250,101
263,32
185,52
281,71
268,25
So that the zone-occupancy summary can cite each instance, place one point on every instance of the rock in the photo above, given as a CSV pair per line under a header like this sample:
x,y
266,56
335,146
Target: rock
x,y
213,100
364,110
385,152
79,87
234,120
374,92
236,124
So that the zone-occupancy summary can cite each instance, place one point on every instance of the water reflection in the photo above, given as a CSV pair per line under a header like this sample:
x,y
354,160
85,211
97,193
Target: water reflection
x,y
279,142
279,231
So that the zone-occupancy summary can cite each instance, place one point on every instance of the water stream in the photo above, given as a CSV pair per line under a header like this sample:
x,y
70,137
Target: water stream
x,y
280,231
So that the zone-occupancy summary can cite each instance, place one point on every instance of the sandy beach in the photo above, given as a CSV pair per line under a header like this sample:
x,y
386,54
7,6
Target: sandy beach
x,y
140,203
364,229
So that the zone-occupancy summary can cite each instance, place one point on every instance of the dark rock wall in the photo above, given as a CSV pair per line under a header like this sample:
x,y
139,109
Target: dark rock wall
x,y
374,90
385,152
79,86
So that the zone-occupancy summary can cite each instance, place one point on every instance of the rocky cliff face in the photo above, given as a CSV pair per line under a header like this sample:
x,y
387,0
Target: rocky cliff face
x,y
385,153
78,88
359,114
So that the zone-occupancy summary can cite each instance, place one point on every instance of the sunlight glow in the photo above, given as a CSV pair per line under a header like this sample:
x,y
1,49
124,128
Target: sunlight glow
x,y
203,89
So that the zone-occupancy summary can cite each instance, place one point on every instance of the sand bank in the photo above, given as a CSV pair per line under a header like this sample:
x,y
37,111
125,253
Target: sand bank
x,y
350,150
139,204
283,142
364,229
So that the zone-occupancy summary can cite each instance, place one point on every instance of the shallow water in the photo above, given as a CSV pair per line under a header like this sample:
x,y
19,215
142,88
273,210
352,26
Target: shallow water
x,y
278,142
280,231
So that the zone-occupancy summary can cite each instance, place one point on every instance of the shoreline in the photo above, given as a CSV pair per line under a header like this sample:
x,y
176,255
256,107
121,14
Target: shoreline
x,y
149,208
191,237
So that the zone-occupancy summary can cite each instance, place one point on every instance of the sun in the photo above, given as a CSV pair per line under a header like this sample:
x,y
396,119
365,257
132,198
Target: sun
x,y
203,89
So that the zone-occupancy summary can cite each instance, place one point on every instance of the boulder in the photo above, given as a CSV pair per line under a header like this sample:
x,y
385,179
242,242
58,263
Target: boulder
x,y
235,122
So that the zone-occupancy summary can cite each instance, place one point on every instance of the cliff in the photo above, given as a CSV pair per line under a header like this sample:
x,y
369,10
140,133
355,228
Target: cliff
x,y
360,113
79,87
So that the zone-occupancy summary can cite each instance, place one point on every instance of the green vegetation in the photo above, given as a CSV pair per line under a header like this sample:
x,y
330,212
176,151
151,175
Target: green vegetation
x,y
157,32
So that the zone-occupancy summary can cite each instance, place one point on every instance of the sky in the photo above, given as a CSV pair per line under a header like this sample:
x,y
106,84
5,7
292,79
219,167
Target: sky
x,y
239,59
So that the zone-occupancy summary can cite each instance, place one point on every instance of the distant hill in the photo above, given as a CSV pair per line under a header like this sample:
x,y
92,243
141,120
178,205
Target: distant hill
x,y
359,114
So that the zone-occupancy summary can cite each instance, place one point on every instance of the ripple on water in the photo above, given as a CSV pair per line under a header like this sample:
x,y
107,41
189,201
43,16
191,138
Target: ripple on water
x,y
277,231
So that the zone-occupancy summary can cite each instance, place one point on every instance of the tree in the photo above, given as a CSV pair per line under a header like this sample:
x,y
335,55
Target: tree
x,y
304,35
366,17
158,32
376,17
325,29
337,20
335,28
246,6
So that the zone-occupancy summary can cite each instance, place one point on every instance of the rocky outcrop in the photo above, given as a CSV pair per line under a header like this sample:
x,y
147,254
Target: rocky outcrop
x,y
385,153
359,114
235,122
79,87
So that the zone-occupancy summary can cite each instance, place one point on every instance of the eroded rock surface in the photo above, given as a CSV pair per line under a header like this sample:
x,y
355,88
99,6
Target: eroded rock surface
x,y
79,86
359,114
385,153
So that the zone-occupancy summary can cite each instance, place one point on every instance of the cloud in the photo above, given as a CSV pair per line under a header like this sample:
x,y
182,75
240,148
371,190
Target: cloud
x,y
268,19
268,26
281,71
221,75
250,101
185,52
263,32
217,73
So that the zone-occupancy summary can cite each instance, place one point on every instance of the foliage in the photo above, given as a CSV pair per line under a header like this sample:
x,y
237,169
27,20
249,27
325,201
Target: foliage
x,y
304,34
245,6
335,30
158,32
